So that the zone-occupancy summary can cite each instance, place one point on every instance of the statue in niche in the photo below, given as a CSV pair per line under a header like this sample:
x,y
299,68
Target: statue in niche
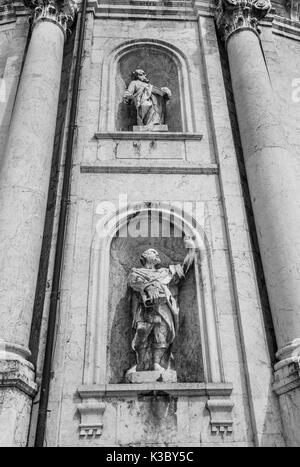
x,y
150,102
156,314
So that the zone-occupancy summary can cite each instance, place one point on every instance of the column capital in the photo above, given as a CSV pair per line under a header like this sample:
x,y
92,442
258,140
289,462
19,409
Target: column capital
x,y
234,15
61,12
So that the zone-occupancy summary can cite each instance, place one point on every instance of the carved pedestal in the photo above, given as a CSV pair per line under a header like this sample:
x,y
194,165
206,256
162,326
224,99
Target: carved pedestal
x,y
168,376
287,387
139,128
17,388
157,398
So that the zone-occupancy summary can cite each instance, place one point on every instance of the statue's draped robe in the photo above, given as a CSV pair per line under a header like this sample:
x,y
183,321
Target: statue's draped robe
x,y
149,106
141,278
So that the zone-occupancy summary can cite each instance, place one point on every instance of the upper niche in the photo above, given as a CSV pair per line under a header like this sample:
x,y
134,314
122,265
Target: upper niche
x,y
161,70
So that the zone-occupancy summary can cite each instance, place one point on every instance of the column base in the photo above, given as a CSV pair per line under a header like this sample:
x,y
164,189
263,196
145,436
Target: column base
x,y
10,351
290,350
17,389
287,387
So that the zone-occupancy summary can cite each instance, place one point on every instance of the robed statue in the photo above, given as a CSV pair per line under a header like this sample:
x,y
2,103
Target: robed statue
x,y
149,101
155,309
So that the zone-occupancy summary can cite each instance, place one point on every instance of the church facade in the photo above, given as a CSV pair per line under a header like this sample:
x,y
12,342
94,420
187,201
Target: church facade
x,y
149,223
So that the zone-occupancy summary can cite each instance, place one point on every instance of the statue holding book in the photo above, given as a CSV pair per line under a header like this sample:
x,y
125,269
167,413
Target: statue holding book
x,y
155,309
149,100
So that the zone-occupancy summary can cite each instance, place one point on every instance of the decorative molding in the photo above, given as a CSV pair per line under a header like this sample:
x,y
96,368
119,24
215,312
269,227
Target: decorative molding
x,y
7,12
109,98
219,404
174,389
164,136
291,349
236,15
59,12
178,10
286,28
220,415
91,414
6,3
19,375
211,169
204,8
95,371
11,351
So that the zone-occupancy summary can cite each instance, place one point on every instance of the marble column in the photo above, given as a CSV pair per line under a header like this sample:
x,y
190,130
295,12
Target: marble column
x,y
24,180
274,190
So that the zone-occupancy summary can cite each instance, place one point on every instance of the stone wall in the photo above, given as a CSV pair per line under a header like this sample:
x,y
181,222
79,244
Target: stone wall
x,y
227,356
191,169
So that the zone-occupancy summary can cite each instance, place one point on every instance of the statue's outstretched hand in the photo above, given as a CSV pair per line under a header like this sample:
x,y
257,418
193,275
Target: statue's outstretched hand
x,y
127,97
189,243
189,259
167,92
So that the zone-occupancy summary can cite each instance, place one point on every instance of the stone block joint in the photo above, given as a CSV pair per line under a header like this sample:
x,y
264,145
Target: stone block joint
x,y
234,15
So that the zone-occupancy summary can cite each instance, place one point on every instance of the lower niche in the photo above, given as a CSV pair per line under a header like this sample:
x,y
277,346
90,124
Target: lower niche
x,y
125,254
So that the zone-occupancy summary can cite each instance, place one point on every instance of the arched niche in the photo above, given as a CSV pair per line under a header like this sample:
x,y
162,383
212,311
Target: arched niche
x,y
124,255
108,325
162,71
165,64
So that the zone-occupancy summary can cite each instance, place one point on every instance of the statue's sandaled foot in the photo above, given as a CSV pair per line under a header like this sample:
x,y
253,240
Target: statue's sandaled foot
x,y
157,367
131,370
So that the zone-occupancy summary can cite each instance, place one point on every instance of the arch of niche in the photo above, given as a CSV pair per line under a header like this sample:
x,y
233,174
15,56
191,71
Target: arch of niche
x,y
110,68
97,319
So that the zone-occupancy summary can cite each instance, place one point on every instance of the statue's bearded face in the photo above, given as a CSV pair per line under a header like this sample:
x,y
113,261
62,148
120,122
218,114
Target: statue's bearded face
x,y
151,257
141,76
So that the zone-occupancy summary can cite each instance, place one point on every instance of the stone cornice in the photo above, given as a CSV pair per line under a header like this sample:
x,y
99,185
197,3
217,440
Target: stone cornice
x,y
61,12
235,15
7,11
178,10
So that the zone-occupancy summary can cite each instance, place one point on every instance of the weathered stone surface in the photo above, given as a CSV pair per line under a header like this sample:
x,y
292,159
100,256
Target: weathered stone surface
x,y
24,180
139,377
17,388
267,154
162,72
125,254
161,419
156,128
235,15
